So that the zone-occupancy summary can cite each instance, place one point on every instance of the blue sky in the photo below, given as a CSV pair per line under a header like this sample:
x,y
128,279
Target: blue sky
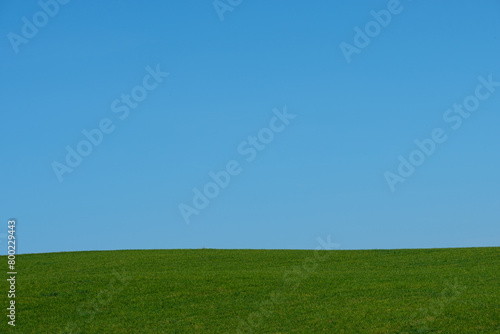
x,y
233,71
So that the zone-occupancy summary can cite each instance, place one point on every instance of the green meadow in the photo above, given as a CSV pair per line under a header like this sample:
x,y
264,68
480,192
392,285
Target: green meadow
x,y
257,291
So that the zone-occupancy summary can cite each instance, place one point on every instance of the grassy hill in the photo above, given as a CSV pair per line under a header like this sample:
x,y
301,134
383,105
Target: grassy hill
x,y
257,291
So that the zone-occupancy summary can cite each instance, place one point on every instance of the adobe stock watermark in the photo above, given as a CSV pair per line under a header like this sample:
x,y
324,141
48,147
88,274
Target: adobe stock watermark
x,y
454,117
421,319
292,279
121,107
91,308
222,6
249,149
363,37
30,27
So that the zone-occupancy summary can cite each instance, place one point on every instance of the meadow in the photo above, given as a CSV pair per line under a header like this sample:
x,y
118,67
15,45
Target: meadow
x,y
257,291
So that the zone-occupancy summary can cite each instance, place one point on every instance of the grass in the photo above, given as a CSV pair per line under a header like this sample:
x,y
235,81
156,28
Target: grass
x,y
257,291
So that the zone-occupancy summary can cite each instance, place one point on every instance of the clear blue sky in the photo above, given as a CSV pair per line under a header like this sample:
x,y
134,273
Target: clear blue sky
x,y
324,173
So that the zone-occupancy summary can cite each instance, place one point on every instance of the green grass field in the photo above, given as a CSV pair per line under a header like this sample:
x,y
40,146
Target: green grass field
x,y
257,291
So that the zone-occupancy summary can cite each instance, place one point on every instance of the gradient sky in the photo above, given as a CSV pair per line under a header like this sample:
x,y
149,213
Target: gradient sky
x,y
322,175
